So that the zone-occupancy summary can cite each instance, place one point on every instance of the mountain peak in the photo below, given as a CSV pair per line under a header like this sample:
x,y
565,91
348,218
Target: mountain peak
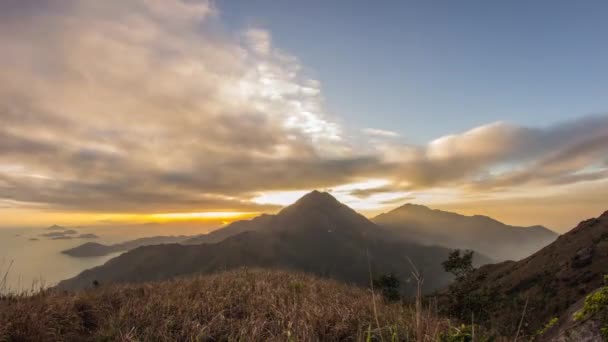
x,y
413,206
318,205
317,197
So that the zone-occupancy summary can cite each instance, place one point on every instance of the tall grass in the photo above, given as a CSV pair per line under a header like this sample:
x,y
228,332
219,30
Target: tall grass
x,y
6,290
248,305
4,274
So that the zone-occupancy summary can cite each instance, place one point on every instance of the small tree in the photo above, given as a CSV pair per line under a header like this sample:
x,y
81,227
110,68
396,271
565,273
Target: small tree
x,y
389,286
460,265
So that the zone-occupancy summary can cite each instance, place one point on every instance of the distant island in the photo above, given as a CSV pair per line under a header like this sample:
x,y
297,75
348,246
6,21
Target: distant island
x,y
62,233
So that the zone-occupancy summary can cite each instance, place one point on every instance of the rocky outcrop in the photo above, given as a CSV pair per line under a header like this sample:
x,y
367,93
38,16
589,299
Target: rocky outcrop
x,y
583,257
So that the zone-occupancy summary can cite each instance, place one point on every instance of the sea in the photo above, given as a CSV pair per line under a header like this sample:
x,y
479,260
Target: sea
x,y
30,261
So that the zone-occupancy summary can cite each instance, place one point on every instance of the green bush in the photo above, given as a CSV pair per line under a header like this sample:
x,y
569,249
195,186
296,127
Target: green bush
x,y
389,285
464,333
459,265
547,326
596,305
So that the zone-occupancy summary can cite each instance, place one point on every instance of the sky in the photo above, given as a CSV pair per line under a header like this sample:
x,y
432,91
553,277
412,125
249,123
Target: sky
x,y
172,111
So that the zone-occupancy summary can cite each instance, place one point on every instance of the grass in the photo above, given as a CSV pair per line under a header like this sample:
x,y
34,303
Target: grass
x,y
242,305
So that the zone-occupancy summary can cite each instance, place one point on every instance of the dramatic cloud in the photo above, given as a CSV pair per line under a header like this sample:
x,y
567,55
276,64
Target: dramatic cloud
x,y
501,155
148,106
120,106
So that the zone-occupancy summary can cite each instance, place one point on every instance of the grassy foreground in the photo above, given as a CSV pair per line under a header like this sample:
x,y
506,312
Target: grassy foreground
x,y
245,305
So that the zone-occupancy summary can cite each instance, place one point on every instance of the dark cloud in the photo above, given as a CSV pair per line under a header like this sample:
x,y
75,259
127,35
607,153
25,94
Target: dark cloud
x,y
369,192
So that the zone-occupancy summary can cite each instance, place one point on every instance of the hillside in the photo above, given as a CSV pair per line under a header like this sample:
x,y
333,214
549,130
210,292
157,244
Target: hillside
x,y
93,249
551,280
479,233
251,305
255,224
317,234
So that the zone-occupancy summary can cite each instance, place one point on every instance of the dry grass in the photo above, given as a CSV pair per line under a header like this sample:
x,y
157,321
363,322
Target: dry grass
x,y
245,305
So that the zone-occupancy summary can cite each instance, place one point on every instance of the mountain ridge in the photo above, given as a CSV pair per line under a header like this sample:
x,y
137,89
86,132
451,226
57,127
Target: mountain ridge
x,y
317,234
260,222
477,232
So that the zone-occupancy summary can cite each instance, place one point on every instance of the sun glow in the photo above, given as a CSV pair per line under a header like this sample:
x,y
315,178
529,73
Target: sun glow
x,y
25,218
346,193
209,215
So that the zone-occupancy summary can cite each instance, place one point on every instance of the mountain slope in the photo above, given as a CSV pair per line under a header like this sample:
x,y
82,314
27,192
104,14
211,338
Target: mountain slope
x,y
234,228
93,249
317,234
480,233
551,280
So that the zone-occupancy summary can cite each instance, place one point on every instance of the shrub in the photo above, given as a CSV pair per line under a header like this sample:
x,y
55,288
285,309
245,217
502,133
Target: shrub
x,y
596,305
547,326
459,265
389,285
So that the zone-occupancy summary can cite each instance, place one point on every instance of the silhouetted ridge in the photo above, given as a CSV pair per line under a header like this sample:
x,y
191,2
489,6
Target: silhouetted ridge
x,y
317,234
316,199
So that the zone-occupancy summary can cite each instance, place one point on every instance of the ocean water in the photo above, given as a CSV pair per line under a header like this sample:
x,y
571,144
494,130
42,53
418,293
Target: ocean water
x,y
29,264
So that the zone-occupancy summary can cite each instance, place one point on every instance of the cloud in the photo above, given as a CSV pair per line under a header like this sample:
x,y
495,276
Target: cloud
x,y
259,40
143,105
146,106
502,155
369,192
380,133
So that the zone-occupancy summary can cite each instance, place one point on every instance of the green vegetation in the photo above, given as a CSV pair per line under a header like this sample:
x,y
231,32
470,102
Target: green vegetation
x,y
389,285
463,333
460,301
460,265
596,306
547,326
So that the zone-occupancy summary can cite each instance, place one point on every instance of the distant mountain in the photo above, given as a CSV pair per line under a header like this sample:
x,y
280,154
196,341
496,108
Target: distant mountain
x,y
56,227
93,249
317,234
480,233
551,280
90,249
234,228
